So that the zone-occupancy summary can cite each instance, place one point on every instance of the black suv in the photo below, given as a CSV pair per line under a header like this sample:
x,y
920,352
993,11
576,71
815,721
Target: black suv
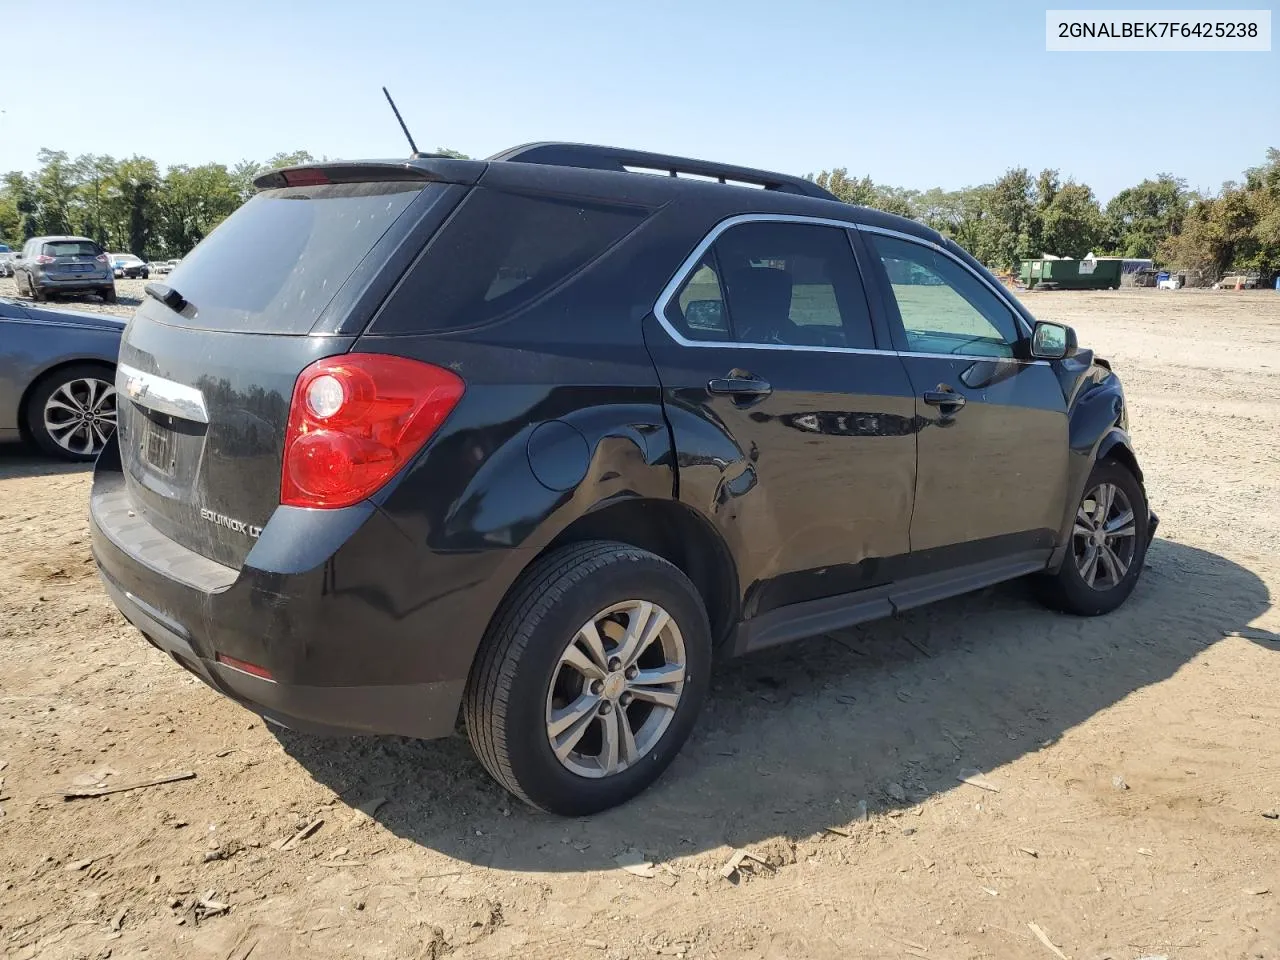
x,y
531,441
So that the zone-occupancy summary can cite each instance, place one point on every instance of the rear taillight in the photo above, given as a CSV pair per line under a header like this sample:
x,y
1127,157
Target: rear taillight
x,y
101,258
357,419
44,258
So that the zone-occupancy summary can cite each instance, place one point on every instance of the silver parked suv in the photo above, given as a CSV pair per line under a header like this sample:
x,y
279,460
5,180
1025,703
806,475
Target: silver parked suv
x,y
51,265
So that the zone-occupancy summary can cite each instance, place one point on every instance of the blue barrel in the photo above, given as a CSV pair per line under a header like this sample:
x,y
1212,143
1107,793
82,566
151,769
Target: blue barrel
x,y
1278,283
1162,275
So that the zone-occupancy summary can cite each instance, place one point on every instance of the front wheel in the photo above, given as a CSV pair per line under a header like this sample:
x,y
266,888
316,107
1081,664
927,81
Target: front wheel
x,y
1108,545
589,678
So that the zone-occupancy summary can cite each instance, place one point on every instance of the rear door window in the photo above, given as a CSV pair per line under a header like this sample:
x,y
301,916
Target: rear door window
x,y
792,284
499,253
276,263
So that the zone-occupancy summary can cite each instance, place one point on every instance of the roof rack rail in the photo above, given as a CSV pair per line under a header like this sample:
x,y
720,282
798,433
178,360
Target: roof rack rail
x,y
620,160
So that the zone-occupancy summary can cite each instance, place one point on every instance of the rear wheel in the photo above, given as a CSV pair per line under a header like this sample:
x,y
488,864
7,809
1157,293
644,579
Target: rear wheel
x,y
590,678
71,413
108,294
34,292
1108,545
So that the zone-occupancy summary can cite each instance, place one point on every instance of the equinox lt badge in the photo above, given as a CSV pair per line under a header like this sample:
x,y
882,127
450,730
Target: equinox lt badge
x,y
231,523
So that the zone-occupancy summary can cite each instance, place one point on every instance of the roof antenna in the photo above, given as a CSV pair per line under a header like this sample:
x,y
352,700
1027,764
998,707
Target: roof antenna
x,y
407,135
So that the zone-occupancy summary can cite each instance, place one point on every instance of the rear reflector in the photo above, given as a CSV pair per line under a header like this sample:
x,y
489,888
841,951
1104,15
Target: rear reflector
x,y
245,666
355,420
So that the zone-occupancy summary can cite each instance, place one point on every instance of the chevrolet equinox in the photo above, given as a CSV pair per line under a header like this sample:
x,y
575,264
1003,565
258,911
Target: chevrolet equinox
x,y
529,442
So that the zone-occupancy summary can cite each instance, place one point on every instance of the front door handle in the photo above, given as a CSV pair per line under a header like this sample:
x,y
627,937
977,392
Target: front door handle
x,y
948,401
739,387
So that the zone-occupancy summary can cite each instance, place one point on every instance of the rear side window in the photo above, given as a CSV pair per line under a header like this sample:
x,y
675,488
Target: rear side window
x,y
500,252
274,264
71,248
790,284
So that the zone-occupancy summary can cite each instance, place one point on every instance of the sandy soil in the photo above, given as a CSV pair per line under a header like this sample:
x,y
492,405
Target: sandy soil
x,y
1135,755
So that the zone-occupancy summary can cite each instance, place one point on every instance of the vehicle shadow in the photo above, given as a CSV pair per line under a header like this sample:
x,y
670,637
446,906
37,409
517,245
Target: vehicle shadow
x,y
793,739
19,460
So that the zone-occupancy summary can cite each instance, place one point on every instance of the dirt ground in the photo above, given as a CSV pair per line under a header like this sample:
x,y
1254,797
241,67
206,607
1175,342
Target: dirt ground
x,y
1136,756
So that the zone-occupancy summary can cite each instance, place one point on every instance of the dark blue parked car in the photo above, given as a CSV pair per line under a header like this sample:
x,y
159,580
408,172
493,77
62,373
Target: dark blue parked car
x,y
57,378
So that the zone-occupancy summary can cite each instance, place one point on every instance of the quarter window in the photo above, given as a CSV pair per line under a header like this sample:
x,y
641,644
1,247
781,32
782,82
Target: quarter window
x,y
791,284
944,308
500,252
701,303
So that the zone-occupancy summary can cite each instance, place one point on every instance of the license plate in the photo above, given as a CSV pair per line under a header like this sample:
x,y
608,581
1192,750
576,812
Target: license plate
x,y
159,448
80,268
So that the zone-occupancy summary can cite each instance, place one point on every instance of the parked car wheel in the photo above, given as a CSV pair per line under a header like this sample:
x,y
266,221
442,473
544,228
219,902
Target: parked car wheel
x,y
590,678
108,294
71,413
34,292
1108,545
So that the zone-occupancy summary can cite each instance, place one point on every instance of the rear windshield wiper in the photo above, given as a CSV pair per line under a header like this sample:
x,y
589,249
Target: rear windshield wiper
x,y
170,297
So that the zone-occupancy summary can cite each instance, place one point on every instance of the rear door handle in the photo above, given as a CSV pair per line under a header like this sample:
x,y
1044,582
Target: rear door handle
x,y
947,400
744,387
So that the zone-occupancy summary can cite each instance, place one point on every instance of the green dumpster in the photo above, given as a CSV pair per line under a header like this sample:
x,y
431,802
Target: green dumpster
x,y
1072,274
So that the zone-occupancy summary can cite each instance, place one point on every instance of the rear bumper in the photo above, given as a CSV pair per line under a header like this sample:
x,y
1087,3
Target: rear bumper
x,y
327,677
423,710
72,283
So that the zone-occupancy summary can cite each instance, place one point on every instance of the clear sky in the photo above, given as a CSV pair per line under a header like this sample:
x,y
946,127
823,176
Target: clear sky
x,y
915,94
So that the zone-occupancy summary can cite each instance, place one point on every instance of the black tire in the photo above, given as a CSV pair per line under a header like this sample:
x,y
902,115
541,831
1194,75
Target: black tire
x,y
34,292
39,396
504,708
108,294
1067,590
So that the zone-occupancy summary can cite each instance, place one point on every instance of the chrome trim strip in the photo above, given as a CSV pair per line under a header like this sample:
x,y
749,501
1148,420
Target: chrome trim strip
x,y
691,261
67,325
163,396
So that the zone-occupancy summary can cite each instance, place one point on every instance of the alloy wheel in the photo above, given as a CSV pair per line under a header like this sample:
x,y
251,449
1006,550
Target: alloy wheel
x,y
81,415
615,689
1104,538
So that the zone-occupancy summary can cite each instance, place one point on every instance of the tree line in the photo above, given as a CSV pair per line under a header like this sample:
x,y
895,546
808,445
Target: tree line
x,y
132,205
1020,217
129,205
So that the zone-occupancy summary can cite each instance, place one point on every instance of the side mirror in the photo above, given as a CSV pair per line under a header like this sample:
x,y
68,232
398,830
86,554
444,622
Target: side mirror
x,y
1053,341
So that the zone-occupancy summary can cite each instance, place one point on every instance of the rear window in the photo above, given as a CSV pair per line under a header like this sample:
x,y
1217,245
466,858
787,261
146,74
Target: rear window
x,y
500,252
274,264
71,248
